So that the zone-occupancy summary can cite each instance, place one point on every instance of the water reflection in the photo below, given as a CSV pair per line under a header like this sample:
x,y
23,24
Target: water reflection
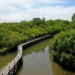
x,y
36,60
37,63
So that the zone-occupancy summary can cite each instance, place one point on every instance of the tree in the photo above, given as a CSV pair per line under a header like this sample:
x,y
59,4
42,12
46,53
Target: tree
x,y
63,47
38,21
73,17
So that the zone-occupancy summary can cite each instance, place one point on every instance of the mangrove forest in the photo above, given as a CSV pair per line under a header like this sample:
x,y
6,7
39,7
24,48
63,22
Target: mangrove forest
x,y
63,32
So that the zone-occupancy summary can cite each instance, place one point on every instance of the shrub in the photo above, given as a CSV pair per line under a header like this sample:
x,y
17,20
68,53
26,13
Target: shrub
x,y
63,47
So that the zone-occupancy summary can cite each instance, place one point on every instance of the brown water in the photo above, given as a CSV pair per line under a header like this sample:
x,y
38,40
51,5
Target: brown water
x,y
36,60
5,59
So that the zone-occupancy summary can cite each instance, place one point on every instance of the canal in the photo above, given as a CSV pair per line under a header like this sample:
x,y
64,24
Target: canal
x,y
37,60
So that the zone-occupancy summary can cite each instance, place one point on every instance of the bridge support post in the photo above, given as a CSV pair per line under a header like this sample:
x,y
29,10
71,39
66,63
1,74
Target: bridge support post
x,y
14,67
9,69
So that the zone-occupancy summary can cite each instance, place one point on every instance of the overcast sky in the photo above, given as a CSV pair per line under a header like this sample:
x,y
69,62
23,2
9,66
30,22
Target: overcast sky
x,y
18,10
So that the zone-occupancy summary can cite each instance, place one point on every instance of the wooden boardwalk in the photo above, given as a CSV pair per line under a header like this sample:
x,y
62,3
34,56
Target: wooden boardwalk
x,y
10,66
7,68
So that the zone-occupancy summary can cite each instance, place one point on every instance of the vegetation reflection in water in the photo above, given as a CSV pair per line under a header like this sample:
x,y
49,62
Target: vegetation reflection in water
x,y
58,70
37,60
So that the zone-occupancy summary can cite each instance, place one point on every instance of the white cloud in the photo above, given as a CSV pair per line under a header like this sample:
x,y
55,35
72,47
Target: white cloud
x,y
10,10
51,12
51,1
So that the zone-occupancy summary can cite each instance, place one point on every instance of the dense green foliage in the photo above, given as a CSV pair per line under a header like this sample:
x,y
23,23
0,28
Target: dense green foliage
x,y
63,45
12,34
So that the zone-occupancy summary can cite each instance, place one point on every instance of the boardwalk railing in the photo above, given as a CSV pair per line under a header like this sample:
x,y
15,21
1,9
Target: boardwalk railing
x,y
10,69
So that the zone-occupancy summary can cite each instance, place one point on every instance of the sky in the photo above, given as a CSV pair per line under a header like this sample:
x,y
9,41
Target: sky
x,y
19,10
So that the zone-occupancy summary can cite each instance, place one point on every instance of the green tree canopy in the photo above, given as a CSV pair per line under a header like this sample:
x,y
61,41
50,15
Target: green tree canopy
x,y
63,47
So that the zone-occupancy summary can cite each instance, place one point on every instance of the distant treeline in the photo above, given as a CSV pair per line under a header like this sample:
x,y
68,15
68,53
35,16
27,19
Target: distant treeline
x,y
63,45
12,34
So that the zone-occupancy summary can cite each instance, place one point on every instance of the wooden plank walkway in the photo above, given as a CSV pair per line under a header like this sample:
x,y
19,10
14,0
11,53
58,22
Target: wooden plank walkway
x,y
7,68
